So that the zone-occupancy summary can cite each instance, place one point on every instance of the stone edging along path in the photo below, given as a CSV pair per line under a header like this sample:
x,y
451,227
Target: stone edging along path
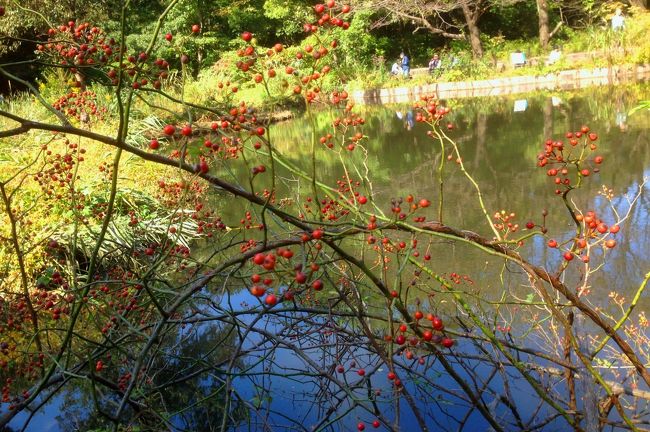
x,y
563,80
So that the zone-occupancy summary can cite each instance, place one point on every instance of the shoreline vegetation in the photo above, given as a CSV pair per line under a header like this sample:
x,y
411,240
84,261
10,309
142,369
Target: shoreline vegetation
x,y
590,53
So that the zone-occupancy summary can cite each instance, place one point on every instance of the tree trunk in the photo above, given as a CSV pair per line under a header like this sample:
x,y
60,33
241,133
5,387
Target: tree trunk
x,y
542,14
471,18
548,118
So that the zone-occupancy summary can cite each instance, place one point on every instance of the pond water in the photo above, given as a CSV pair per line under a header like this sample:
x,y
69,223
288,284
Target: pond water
x,y
499,139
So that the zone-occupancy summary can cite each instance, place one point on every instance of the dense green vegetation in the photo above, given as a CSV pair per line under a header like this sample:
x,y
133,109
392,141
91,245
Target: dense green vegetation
x,y
378,32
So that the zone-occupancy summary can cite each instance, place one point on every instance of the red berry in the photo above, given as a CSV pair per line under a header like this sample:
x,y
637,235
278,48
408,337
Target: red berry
x,y
257,290
301,278
447,342
271,300
247,36
168,37
361,426
169,130
376,423
317,285
196,28
187,130
154,144
259,258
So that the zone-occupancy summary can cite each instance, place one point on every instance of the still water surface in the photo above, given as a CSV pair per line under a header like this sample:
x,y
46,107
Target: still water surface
x,y
499,140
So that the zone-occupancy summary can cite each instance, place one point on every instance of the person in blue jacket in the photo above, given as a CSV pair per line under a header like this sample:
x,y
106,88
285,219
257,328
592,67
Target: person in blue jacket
x,y
406,66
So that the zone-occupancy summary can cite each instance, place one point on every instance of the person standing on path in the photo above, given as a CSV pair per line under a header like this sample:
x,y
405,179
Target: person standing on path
x,y
406,68
618,20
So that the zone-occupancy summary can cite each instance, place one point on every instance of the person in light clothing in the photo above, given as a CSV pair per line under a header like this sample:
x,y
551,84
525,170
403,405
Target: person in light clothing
x,y
618,20
396,69
554,56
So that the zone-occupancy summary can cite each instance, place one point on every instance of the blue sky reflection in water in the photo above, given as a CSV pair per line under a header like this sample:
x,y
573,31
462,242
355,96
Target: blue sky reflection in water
x,y
499,145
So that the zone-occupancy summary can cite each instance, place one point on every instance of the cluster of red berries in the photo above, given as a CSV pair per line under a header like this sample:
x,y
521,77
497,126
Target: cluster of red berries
x,y
458,278
310,57
329,14
429,110
412,206
504,222
279,262
123,381
80,45
348,124
563,159
49,300
261,74
428,334
223,139
181,192
594,231
57,174
6,389
80,105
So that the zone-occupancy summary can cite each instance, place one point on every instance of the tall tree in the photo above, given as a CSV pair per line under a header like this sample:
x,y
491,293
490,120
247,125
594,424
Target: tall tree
x,y
544,29
472,11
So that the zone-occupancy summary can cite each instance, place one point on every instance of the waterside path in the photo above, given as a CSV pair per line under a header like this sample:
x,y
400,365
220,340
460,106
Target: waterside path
x,y
563,80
